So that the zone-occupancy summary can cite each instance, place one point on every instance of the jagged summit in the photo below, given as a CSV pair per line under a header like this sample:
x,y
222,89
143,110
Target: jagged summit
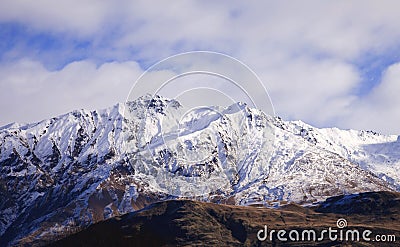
x,y
67,172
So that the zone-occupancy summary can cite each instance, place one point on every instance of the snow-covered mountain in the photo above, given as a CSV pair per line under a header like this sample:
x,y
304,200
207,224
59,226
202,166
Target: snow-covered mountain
x,y
65,173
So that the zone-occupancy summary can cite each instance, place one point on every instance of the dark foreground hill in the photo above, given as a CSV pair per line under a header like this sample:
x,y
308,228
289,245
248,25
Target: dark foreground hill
x,y
191,223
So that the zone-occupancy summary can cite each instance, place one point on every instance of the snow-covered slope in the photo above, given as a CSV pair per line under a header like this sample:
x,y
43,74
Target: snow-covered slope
x,y
372,151
65,173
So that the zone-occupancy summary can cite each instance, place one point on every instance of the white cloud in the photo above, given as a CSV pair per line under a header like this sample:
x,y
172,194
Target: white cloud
x,y
29,92
342,29
81,17
379,110
312,89
304,51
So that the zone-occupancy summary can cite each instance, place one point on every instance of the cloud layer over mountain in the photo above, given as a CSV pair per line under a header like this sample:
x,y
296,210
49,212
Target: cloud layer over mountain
x,y
327,63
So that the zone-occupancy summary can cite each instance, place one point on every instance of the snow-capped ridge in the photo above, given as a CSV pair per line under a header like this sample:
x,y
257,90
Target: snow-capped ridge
x,y
84,166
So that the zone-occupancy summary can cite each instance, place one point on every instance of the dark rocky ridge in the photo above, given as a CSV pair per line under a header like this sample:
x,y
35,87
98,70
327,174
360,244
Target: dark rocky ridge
x,y
190,223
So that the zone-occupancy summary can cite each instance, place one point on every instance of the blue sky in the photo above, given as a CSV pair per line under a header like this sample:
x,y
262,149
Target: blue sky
x,y
328,63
